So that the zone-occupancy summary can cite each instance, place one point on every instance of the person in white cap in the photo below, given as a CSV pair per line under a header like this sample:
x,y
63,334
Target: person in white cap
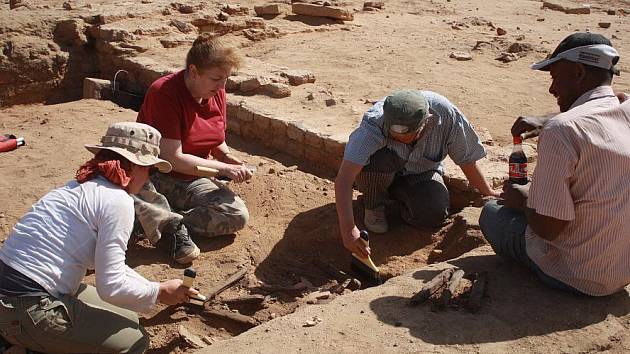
x,y
83,225
568,224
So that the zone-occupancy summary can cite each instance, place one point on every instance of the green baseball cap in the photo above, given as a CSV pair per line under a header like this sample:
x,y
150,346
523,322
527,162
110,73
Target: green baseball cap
x,y
404,109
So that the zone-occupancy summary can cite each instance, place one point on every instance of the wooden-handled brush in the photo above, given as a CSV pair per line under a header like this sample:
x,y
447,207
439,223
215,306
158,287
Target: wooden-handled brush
x,y
364,265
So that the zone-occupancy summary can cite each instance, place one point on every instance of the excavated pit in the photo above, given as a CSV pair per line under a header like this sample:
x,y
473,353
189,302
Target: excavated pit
x,y
291,245
292,229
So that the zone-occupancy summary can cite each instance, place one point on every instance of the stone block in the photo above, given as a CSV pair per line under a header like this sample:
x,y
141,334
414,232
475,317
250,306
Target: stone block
x,y
262,122
279,128
582,10
374,4
294,148
299,77
277,90
313,154
313,139
232,110
233,83
244,114
234,126
278,143
269,9
96,88
70,33
295,131
253,83
334,12
235,9
334,146
248,130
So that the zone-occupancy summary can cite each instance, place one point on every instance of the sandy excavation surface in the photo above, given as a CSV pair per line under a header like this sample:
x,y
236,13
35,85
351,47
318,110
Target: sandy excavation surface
x,y
293,221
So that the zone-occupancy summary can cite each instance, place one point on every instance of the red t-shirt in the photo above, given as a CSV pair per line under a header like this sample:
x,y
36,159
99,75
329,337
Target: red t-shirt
x,y
170,108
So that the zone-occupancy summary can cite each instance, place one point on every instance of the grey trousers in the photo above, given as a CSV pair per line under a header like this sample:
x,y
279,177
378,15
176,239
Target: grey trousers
x,y
71,324
423,197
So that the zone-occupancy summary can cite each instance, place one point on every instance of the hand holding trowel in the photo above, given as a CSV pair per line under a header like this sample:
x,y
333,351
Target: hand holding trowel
x,y
213,172
364,265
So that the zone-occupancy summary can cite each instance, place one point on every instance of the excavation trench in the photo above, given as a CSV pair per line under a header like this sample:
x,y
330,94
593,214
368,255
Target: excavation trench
x,y
290,249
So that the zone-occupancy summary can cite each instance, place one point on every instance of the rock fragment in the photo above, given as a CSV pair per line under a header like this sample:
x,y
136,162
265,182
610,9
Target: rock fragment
x,y
299,77
268,10
192,340
460,56
334,12
277,90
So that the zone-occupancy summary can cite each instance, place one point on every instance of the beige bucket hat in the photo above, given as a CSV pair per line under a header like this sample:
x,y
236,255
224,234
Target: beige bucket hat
x,y
137,142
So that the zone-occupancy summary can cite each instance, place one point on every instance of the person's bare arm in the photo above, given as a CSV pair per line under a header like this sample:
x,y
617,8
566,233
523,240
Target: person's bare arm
x,y
171,150
475,177
223,154
547,227
343,202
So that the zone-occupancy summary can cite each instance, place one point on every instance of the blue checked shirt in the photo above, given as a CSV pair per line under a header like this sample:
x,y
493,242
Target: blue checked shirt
x,y
447,132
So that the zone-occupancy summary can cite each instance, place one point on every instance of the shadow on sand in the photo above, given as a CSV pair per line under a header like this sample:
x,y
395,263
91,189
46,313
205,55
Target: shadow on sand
x,y
517,305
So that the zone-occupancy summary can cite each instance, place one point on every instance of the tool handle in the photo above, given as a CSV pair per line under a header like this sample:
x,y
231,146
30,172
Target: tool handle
x,y
189,278
365,236
8,145
206,171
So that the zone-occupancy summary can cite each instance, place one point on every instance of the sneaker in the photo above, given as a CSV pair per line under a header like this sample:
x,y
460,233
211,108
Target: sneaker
x,y
184,249
375,220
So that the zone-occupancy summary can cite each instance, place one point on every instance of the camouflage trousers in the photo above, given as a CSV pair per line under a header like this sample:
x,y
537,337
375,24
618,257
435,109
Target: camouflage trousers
x,y
206,206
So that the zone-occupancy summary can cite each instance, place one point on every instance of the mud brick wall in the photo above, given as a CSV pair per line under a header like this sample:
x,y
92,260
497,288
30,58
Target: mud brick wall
x,y
290,137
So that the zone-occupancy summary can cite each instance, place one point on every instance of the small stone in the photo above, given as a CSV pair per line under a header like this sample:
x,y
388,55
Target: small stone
x,y
604,24
278,90
501,31
374,5
508,57
460,56
611,12
222,16
190,338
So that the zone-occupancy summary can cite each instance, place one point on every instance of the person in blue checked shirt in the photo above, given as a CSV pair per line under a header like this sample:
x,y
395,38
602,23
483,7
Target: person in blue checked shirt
x,y
396,154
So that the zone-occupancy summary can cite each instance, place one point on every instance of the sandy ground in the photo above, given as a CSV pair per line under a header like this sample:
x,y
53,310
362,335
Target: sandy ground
x,y
518,315
406,45
293,222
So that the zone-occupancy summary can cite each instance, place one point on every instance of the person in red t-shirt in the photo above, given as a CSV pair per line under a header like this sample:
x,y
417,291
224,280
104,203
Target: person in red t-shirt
x,y
189,109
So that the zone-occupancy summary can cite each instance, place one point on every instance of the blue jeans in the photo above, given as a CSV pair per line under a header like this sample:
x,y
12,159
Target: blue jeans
x,y
504,228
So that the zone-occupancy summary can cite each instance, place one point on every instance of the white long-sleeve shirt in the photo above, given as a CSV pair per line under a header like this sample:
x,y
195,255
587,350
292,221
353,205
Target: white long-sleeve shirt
x,y
78,227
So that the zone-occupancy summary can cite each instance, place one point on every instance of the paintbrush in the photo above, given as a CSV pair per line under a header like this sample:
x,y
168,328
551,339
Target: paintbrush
x,y
364,265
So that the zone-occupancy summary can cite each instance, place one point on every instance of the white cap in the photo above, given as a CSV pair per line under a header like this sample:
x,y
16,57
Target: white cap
x,y
598,55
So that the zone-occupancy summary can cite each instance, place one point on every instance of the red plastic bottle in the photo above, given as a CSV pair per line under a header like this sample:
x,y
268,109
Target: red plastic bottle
x,y
518,163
